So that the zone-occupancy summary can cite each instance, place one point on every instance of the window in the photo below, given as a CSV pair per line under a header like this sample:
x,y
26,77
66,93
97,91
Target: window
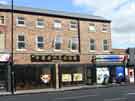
x,y
73,25
58,42
2,40
92,28
73,43
105,45
20,21
40,23
92,45
2,20
21,44
104,28
57,24
40,42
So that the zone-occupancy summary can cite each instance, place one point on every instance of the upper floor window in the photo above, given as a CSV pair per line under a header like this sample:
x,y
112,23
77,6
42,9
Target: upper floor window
x,y
20,21
58,42
73,25
92,45
104,28
21,41
2,20
40,42
105,45
57,24
73,43
40,23
92,27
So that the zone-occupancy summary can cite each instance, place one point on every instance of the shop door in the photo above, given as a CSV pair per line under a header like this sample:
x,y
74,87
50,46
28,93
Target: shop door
x,y
3,78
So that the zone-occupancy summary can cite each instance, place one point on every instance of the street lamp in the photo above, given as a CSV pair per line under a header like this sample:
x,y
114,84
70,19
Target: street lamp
x,y
12,37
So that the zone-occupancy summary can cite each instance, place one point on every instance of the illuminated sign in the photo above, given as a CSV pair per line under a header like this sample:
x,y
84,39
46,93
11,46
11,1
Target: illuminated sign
x,y
4,57
110,58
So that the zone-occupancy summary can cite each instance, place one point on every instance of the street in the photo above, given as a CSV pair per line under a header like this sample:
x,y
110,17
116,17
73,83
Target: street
x,y
123,93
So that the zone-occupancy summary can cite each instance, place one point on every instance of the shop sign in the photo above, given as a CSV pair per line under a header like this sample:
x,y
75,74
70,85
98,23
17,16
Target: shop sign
x,y
119,72
77,77
45,78
66,78
51,58
4,57
110,58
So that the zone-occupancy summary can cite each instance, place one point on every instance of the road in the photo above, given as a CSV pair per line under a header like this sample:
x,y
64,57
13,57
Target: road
x,y
123,93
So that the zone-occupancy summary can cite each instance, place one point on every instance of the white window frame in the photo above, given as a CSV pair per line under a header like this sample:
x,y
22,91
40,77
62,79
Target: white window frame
x,y
90,45
106,45
57,24
61,41
71,43
2,19
71,24
17,22
91,26
37,48
37,22
17,48
104,26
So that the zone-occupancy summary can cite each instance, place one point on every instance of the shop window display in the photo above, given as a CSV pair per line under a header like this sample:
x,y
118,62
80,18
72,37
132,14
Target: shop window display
x,y
33,77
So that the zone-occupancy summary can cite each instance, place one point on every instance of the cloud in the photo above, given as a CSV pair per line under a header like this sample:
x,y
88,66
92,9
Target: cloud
x,y
3,2
122,14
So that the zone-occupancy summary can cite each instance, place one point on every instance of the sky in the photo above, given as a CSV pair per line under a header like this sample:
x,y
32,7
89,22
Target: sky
x,y
120,12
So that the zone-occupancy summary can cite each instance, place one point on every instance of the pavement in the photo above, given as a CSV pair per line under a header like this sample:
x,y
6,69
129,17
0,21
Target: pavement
x,y
62,89
114,93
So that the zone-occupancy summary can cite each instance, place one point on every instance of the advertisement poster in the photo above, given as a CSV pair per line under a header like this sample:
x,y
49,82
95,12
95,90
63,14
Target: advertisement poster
x,y
131,75
45,78
77,77
102,74
119,73
66,78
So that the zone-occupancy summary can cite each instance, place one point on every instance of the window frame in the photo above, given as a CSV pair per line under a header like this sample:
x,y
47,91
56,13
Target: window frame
x,y
22,49
104,26
39,21
60,42
37,48
92,25
71,42
2,20
17,21
75,24
105,45
90,45
57,24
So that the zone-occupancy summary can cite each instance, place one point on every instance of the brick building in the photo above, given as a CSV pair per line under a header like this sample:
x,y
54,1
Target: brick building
x,y
53,48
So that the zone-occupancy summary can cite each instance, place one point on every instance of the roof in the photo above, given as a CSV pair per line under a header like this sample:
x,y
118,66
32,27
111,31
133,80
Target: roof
x,y
54,12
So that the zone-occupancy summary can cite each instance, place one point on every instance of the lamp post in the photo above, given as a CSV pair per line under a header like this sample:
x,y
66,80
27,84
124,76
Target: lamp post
x,y
12,41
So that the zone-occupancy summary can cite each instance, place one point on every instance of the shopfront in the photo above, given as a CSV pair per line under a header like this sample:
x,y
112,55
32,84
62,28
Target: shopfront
x,y
34,76
72,75
110,69
5,80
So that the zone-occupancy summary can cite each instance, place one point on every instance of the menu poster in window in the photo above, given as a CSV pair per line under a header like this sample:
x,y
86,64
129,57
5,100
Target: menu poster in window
x,y
45,78
66,78
77,77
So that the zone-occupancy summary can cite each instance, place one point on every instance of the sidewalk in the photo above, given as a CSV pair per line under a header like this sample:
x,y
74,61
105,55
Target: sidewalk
x,y
62,89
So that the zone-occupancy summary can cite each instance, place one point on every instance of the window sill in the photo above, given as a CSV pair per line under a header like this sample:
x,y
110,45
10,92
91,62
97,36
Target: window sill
x,y
73,29
18,25
40,50
20,49
93,51
40,27
106,51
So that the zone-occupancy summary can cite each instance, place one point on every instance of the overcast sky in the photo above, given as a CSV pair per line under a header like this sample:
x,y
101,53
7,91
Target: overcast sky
x,y
121,12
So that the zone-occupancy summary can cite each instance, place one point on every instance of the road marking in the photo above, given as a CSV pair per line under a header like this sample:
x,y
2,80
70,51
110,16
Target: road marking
x,y
75,97
131,93
115,99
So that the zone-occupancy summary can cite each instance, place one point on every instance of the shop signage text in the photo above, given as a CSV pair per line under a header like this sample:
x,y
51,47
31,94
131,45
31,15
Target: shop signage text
x,y
51,58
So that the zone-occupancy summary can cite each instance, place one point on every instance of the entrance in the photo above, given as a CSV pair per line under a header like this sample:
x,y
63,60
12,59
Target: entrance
x,y
3,77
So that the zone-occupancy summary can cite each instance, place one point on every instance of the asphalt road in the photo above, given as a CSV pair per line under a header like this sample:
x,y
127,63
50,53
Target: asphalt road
x,y
123,93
